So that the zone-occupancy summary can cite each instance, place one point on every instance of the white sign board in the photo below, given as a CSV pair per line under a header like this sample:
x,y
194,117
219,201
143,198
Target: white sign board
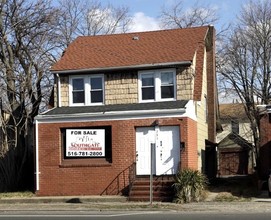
x,y
85,142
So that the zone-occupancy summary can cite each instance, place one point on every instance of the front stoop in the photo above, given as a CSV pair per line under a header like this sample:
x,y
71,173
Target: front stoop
x,y
163,190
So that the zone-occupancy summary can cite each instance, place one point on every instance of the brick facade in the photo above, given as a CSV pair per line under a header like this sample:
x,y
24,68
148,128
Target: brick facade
x,y
189,156
212,98
97,176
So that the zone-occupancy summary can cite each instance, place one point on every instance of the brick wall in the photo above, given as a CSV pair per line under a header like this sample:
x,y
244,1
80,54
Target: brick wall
x,y
212,86
96,177
189,156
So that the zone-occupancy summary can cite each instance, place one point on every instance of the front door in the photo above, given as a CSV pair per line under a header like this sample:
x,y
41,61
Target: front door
x,y
167,150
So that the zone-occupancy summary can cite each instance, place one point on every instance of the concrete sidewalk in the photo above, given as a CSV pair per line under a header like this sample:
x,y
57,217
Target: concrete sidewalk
x,y
64,199
120,203
262,197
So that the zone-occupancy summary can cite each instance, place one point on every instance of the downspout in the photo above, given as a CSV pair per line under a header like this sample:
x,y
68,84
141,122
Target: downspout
x,y
58,91
37,156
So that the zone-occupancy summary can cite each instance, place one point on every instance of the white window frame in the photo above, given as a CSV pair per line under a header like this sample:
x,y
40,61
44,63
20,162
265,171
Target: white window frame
x,y
87,89
157,85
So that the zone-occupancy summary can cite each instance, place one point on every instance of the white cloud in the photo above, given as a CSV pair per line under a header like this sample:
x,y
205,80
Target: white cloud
x,y
142,22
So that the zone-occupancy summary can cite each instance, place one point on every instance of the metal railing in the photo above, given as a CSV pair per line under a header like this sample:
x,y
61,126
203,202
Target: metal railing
x,y
122,183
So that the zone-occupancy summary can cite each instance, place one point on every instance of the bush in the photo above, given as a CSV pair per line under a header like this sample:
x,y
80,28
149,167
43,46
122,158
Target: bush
x,y
189,186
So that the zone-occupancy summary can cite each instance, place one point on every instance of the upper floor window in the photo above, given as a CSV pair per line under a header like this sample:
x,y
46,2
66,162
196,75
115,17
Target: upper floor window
x,y
147,87
78,91
86,90
96,89
157,85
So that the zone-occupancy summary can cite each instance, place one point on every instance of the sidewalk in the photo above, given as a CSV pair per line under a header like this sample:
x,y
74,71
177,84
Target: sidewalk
x,y
64,199
119,203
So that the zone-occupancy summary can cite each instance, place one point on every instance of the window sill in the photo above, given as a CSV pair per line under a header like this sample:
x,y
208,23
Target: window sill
x,y
158,100
84,163
88,104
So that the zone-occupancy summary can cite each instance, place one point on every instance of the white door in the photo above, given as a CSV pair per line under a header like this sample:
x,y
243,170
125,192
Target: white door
x,y
144,137
167,150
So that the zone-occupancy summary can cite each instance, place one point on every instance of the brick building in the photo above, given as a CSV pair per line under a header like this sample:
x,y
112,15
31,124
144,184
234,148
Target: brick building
x,y
114,96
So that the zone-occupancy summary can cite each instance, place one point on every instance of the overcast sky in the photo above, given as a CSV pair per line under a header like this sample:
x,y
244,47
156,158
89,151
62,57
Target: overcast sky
x,y
145,12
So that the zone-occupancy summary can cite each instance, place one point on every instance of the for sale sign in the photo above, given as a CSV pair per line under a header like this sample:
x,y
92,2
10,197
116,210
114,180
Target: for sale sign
x,y
85,143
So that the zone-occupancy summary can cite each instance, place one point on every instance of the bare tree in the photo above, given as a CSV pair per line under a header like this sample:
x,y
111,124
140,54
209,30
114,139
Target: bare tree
x,y
176,16
32,33
246,61
27,40
200,14
84,18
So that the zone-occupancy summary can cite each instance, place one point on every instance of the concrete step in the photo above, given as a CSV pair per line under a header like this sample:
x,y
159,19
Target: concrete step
x,y
162,189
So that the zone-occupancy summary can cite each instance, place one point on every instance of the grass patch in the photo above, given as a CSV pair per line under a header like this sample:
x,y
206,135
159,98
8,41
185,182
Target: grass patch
x,y
234,189
228,197
25,194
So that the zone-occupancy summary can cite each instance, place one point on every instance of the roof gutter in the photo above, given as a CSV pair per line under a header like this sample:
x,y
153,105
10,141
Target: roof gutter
x,y
141,66
116,115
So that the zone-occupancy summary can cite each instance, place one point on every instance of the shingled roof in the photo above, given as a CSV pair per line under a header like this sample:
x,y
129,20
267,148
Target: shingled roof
x,y
232,111
131,49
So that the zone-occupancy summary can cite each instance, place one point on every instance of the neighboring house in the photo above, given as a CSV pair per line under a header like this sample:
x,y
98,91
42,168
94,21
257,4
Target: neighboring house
x,y
114,96
265,142
235,143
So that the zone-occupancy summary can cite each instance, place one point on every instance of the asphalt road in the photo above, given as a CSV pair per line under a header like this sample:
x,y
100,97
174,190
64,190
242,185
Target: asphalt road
x,y
133,215
259,208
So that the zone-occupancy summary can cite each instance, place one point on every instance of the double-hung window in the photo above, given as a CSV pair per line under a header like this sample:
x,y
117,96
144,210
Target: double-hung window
x,y
147,87
167,85
96,89
78,90
86,90
157,85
